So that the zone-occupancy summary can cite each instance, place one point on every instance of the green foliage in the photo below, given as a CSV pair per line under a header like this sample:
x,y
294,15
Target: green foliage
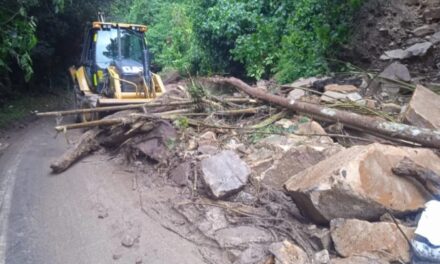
x,y
314,33
17,38
181,123
256,38
262,133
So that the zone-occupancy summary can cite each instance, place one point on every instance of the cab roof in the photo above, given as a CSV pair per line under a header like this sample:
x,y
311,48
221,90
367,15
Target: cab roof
x,y
105,25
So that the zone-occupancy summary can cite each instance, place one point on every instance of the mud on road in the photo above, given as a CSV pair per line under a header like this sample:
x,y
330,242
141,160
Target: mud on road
x,y
88,214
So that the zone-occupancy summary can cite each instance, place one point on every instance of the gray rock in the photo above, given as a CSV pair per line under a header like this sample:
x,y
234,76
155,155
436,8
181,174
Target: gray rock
x,y
423,31
435,39
397,54
353,237
253,254
296,94
181,173
128,240
432,14
296,160
102,211
224,173
321,237
207,149
288,253
391,108
416,50
322,257
423,109
396,71
419,49
240,236
331,97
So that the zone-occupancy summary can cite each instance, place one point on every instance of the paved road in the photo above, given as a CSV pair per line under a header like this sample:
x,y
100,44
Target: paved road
x,y
49,219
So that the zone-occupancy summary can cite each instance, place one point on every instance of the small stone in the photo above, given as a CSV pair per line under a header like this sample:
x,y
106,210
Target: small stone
x,y
432,14
397,54
416,50
288,253
207,149
117,255
285,123
321,237
322,257
435,39
391,108
253,254
419,49
102,211
370,103
341,88
396,71
128,240
138,260
180,174
307,82
296,94
423,31
331,97
239,236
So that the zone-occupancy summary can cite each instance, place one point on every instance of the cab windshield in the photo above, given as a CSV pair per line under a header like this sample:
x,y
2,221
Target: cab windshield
x,y
107,46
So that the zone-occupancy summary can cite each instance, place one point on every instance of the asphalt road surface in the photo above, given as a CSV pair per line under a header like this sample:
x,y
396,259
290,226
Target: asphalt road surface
x,y
53,219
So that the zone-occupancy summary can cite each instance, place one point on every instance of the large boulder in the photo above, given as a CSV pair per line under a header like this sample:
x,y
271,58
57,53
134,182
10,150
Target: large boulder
x,y
358,183
224,173
424,109
353,237
296,160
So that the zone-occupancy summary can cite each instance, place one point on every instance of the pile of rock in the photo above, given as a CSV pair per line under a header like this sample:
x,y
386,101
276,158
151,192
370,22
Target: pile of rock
x,y
345,195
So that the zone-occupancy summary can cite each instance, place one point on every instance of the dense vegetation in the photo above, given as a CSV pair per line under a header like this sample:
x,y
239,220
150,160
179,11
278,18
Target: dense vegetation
x,y
257,38
247,38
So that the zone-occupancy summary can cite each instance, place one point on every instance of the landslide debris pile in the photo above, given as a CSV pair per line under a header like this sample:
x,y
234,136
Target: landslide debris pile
x,y
404,30
235,170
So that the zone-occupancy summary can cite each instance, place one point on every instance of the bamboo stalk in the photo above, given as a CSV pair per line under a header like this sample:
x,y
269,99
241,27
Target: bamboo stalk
x,y
112,108
104,122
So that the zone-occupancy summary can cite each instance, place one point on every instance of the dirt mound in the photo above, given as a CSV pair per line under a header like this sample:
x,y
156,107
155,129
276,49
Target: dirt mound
x,y
396,24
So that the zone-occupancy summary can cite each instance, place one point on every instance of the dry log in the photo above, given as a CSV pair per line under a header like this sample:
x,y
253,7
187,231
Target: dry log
x,y
87,143
425,137
428,178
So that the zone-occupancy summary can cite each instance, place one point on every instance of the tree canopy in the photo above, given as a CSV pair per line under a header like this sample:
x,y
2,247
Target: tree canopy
x,y
248,38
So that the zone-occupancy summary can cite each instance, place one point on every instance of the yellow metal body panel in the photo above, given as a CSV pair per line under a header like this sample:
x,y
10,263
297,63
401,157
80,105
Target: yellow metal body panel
x,y
142,92
99,25
112,101
80,75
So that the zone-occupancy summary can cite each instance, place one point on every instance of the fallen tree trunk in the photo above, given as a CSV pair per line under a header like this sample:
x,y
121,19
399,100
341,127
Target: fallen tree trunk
x,y
87,143
425,137
428,178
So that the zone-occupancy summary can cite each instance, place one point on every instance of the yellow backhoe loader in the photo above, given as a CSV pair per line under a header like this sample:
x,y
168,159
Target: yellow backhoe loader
x,y
114,68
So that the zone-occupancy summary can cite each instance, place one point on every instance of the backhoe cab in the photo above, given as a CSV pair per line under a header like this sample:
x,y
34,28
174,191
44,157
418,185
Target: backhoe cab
x,y
114,68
